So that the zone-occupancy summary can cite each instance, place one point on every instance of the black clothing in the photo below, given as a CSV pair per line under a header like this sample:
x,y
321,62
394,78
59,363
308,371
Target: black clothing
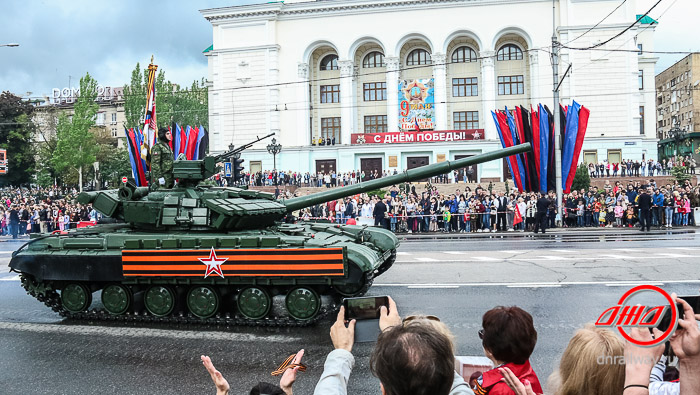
x,y
644,202
379,213
542,204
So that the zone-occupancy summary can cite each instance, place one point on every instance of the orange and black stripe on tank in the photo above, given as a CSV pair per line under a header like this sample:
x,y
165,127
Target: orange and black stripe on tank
x,y
300,262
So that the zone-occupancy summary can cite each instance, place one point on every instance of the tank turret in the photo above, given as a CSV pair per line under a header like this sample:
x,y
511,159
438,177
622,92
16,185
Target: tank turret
x,y
189,206
199,254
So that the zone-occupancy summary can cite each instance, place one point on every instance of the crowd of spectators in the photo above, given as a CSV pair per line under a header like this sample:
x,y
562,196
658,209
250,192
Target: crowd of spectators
x,y
416,355
36,209
483,210
644,168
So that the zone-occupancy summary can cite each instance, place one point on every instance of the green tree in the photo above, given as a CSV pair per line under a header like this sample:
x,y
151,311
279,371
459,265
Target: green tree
x,y
582,180
173,104
16,134
76,147
680,173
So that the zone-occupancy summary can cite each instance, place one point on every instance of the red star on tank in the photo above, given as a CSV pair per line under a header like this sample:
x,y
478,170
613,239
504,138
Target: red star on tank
x,y
213,264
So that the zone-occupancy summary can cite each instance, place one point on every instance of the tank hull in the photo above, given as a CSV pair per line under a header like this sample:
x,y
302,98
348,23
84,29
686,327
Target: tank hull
x,y
299,271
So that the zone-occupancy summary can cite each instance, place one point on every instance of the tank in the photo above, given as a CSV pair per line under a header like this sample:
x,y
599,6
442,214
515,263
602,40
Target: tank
x,y
212,255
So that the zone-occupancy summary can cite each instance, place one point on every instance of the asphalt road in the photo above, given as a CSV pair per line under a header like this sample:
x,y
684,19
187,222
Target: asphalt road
x,y
563,282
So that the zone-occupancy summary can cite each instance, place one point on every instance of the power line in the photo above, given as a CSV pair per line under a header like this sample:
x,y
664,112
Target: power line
x,y
618,34
597,24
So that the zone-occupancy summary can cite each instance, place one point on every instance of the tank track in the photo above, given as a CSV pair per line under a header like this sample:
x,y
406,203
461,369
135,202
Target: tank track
x,y
52,299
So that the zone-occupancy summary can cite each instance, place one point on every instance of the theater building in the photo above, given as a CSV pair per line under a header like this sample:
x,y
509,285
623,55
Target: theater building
x,y
385,85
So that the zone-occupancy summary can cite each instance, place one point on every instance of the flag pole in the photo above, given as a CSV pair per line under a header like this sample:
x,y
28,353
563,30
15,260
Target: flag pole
x,y
557,134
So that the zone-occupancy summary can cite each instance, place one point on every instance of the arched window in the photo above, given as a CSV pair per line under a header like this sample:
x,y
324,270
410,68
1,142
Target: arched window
x,y
418,57
463,55
373,59
509,52
329,62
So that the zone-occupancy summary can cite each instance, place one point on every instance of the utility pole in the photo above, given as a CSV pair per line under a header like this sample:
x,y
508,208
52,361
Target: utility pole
x,y
557,135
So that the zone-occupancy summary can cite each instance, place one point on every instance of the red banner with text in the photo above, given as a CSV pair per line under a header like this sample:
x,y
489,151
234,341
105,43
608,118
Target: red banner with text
x,y
417,137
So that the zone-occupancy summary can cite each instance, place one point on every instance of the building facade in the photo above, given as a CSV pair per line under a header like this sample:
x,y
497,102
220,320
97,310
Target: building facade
x,y
390,85
677,105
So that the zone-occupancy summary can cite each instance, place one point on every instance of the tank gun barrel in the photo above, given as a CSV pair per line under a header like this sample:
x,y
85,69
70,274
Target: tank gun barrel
x,y
406,176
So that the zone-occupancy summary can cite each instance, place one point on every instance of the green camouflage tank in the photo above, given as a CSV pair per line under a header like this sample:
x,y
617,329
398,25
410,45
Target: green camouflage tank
x,y
215,255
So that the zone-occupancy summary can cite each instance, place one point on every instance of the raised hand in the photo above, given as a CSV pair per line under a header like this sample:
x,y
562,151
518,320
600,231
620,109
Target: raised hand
x,y
290,375
220,382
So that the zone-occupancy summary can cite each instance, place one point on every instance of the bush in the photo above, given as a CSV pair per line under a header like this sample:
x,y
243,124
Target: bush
x,y
582,180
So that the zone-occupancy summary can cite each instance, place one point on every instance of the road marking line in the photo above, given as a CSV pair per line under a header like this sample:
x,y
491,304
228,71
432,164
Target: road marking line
x,y
487,258
625,249
564,251
403,253
15,278
684,248
432,286
454,252
426,259
535,286
673,255
635,283
612,256
550,257
620,283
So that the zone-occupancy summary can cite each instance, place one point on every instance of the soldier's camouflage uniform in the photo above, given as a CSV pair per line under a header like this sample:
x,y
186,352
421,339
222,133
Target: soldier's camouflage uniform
x,y
161,166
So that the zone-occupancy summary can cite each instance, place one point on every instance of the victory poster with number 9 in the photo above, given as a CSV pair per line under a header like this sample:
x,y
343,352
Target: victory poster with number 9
x,y
417,104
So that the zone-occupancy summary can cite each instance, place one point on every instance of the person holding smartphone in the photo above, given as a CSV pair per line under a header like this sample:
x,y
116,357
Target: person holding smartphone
x,y
400,340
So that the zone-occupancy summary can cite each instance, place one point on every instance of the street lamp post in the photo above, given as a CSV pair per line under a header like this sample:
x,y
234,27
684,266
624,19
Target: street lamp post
x,y
230,179
274,149
678,135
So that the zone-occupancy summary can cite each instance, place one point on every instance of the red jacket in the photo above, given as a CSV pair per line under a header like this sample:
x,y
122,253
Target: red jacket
x,y
491,383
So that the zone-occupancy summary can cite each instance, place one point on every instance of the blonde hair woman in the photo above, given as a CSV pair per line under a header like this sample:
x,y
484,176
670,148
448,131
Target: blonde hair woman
x,y
592,364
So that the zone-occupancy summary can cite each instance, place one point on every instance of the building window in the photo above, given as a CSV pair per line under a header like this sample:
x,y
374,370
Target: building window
x,y
100,118
641,119
376,124
511,85
330,129
418,57
330,93
114,118
329,62
509,52
373,59
464,87
463,120
641,79
114,132
640,47
374,91
463,55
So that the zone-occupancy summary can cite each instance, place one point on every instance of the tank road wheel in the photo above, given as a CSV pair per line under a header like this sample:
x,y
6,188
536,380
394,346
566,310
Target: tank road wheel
x,y
159,300
387,264
76,297
203,301
116,299
302,303
254,303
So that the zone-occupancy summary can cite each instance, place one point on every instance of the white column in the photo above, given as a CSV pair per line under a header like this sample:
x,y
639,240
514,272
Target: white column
x,y
488,93
274,94
534,80
347,126
440,76
392,92
304,111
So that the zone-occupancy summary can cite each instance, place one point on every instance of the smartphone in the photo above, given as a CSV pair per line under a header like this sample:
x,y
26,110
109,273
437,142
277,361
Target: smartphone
x,y
693,301
365,308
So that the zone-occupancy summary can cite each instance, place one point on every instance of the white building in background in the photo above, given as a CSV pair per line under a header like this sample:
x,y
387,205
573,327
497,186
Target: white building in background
x,y
347,72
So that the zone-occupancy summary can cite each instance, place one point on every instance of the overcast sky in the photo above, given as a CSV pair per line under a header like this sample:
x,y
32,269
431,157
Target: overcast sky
x,y
62,40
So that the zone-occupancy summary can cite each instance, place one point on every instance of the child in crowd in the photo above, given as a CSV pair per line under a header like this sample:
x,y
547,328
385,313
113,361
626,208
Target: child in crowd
x,y
619,211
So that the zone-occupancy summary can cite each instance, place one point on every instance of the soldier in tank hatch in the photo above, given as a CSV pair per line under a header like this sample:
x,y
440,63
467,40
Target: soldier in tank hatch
x,y
162,161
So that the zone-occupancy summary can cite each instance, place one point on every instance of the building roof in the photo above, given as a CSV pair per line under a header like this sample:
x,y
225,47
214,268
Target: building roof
x,y
647,20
